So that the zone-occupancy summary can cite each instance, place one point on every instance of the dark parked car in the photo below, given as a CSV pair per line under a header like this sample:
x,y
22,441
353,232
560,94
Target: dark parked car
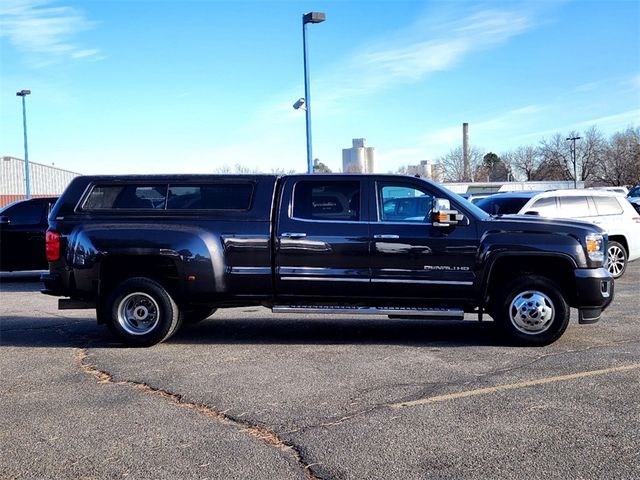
x,y
23,226
507,203
634,197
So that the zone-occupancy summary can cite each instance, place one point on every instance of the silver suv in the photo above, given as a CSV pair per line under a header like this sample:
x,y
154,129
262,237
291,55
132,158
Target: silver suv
x,y
609,210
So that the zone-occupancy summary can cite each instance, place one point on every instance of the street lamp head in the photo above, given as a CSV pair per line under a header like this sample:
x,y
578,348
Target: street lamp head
x,y
574,138
299,104
313,17
23,93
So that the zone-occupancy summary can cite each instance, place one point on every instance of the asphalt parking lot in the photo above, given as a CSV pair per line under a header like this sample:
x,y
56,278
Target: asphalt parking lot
x,y
249,394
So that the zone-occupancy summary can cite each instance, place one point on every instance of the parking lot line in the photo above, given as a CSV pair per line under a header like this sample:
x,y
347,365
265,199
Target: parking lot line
x,y
513,386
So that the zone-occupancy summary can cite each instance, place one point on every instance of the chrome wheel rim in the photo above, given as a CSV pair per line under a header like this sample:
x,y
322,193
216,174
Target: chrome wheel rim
x,y
615,260
138,313
531,312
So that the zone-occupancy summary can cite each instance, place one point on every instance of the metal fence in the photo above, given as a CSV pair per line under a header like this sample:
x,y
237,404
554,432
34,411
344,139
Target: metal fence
x,y
46,180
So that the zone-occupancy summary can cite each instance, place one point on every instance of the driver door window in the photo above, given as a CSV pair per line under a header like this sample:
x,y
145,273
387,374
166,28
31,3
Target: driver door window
x,y
403,204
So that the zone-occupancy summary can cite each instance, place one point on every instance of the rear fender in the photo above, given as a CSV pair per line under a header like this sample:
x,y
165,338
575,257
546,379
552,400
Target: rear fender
x,y
198,255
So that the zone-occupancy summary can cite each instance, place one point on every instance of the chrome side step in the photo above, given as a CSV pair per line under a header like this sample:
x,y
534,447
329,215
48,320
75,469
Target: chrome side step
x,y
394,312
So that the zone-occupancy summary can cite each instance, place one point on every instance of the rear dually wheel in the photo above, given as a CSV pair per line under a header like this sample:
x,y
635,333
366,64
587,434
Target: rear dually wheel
x,y
141,312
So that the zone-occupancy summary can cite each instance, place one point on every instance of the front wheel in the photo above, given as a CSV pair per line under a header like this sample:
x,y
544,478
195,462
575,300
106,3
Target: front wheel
x,y
141,312
532,312
616,259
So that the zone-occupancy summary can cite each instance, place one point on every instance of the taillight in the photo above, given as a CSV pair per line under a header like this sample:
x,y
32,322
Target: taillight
x,y
52,242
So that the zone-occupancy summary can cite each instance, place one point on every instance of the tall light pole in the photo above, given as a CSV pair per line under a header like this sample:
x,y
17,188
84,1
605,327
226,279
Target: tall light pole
x,y
23,94
573,157
311,17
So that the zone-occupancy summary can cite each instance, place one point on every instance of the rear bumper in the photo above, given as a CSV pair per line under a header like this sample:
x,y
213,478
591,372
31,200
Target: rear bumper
x,y
53,284
594,293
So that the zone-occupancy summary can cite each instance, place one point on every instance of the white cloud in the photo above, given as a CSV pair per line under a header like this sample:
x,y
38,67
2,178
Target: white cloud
x,y
617,121
44,32
431,45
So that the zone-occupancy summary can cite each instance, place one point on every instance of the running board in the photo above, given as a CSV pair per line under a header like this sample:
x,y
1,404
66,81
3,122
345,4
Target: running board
x,y
393,312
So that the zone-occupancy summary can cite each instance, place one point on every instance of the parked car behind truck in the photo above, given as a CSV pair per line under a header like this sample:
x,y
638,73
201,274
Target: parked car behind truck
x,y
23,225
607,209
150,252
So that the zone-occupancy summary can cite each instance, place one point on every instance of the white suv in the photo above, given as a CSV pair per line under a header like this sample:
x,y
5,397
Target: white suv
x,y
609,210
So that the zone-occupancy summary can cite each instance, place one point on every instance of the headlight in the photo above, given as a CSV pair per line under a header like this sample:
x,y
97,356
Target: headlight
x,y
595,247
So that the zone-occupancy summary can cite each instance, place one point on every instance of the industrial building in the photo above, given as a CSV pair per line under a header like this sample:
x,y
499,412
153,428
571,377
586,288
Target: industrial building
x,y
45,180
426,169
359,158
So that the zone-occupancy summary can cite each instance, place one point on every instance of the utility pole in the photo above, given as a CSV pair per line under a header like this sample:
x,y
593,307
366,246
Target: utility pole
x,y
23,94
573,157
311,17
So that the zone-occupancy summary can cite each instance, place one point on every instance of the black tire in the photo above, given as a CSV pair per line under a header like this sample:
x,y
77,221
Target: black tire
x,y
616,261
531,312
195,315
141,312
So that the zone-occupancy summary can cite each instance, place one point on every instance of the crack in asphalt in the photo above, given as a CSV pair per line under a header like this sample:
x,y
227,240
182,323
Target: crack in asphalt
x,y
264,434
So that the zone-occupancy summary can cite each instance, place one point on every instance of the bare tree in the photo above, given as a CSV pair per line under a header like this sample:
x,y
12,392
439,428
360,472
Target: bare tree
x,y
243,169
556,161
557,157
452,164
525,160
620,163
320,167
590,153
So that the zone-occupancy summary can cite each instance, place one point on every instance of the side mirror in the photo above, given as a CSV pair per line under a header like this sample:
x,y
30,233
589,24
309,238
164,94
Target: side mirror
x,y
442,215
4,220
531,212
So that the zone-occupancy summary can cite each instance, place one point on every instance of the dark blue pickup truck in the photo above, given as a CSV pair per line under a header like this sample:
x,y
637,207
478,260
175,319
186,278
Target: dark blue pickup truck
x,y
151,252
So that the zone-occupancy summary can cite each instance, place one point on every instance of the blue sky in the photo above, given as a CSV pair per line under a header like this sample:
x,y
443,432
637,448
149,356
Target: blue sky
x,y
190,86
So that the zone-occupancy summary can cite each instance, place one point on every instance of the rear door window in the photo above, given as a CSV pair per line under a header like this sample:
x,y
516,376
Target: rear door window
x,y
574,207
327,200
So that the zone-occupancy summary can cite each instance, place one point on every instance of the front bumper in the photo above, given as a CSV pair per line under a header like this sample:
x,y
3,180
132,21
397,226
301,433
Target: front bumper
x,y
594,293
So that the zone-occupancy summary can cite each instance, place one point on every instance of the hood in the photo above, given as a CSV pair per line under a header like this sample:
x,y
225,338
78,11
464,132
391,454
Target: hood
x,y
537,223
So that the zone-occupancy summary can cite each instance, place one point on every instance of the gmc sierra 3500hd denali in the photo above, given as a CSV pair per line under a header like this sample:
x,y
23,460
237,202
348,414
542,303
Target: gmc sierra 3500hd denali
x,y
151,252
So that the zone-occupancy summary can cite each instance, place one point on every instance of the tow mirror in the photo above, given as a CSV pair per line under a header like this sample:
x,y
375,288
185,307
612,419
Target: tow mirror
x,y
442,215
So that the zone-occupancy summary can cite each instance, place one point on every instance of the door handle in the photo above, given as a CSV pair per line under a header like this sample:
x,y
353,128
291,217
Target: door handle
x,y
293,235
386,237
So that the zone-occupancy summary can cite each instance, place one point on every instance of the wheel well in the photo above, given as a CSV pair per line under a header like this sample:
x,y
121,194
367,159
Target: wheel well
x,y
116,268
507,268
621,240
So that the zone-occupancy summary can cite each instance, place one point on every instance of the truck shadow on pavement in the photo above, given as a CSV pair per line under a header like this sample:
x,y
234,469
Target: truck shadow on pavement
x,y
55,332
338,331
20,282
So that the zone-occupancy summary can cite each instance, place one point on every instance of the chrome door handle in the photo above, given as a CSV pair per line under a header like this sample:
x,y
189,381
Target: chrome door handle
x,y
386,237
293,235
